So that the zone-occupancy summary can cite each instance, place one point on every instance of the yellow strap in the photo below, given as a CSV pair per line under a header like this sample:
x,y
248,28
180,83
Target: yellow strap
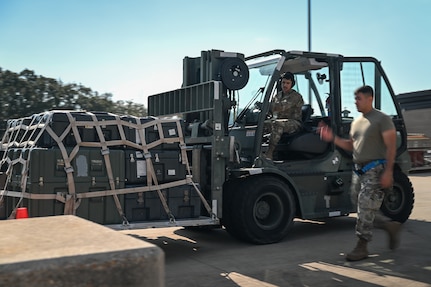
x,y
151,175
105,153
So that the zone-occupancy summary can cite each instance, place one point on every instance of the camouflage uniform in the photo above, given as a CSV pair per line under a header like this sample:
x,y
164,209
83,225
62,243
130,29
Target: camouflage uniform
x,y
368,196
366,191
287,113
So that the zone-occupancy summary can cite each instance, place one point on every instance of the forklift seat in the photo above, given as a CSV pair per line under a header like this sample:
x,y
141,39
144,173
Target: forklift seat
x,y
304,143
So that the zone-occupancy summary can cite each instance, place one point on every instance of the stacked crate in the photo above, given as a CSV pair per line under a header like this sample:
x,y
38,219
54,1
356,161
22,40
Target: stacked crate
x,y
96,157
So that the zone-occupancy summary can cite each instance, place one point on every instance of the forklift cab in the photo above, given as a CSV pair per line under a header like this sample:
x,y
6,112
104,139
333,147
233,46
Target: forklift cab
x,y
326,83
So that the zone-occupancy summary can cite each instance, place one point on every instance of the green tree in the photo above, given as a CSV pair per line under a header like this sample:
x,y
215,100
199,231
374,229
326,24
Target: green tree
x,y
130,108
25,93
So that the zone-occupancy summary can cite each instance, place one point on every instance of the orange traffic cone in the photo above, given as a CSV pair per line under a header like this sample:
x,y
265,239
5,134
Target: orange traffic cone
x,y
21,212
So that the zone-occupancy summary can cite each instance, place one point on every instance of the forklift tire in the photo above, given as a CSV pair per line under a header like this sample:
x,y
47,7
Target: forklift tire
x,y
398,202
228,206
262,210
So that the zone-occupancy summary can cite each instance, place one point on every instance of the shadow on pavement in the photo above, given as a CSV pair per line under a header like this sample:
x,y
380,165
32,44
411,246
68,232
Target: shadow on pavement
x,y
311,255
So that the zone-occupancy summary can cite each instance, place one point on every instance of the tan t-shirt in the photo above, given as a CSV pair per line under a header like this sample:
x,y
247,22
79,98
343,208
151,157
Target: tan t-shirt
x,y
366,132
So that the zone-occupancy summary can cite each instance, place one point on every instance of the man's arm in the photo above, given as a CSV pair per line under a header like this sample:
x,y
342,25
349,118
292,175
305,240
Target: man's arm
x,y
346,144
272,105
389,138
328,135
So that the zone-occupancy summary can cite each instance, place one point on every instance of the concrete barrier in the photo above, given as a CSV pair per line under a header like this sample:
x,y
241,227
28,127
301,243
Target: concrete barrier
x,y
71,251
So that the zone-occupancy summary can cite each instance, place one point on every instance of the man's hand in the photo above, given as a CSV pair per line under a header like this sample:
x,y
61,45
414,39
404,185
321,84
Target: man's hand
x,y
326,133
390,139
386,180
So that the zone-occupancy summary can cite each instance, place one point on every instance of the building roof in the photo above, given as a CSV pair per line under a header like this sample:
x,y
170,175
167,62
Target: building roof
x,y
415,100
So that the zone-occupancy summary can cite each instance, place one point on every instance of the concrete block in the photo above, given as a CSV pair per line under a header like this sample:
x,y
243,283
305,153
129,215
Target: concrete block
x,y
70,251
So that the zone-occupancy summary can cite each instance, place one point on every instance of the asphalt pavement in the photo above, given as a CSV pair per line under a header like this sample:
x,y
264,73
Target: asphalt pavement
x,y
311,255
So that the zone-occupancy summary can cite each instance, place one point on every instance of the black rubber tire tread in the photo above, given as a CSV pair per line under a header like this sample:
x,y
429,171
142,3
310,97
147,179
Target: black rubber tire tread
x,y
228,205
403,185
242,221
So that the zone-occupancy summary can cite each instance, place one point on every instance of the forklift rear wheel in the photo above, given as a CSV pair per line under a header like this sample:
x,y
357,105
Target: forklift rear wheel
x,y
398,202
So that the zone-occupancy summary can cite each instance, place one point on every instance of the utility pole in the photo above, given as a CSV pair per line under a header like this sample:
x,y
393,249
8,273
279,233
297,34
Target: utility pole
x,y
309,48
309,25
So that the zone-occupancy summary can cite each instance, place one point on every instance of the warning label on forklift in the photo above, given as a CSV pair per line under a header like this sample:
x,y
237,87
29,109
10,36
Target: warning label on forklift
x,y
250,133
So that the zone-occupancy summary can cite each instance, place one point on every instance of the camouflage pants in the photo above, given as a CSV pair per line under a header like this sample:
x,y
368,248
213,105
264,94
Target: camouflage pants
x,y
281,126
368,196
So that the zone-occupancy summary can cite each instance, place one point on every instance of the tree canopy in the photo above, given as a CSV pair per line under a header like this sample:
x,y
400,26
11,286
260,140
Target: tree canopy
x,y
25,93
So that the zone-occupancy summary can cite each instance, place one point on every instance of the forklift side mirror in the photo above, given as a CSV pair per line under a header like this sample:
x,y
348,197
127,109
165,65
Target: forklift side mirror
x,y
320,78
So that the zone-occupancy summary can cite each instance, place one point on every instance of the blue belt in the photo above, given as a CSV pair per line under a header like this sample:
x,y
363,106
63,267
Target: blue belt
x,y
368,166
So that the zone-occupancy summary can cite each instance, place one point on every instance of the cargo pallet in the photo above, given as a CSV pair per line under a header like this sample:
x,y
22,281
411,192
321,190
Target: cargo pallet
x,y
104,167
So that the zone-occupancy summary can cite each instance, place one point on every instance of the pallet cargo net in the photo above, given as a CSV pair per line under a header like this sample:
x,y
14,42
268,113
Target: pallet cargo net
x,y
72,156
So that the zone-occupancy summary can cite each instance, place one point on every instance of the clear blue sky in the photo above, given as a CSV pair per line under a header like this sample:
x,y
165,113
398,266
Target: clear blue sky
x,y
134,48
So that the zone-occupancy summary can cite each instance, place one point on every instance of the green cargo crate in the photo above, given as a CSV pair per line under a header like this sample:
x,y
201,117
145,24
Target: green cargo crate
x,y
100,209
167,165
46,175
47,165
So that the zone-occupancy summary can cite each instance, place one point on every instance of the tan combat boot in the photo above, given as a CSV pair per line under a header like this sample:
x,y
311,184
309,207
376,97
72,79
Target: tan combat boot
x,y
359,252
393,229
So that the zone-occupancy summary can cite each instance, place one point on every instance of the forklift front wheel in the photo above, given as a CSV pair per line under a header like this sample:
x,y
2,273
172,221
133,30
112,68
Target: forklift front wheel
x,y
263,210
